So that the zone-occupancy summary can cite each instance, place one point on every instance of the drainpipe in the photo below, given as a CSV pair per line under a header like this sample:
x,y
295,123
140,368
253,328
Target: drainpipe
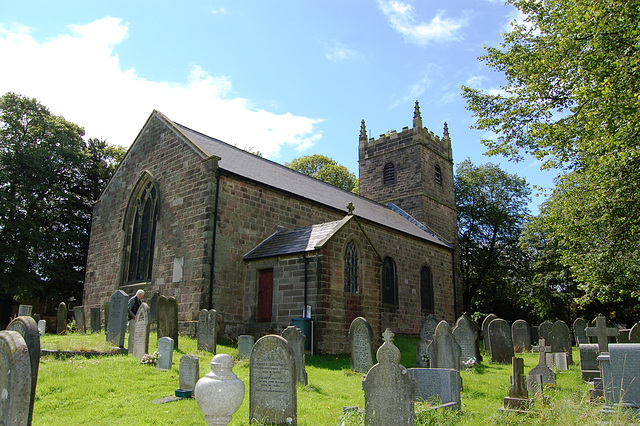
x,y
453,276
306,281
215,228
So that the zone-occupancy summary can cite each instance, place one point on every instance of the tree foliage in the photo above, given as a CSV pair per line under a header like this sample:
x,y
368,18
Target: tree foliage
x,y
492,207
49,178
326,170
571,99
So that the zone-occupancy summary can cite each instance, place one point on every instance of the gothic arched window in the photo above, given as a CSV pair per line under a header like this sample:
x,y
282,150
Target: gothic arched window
x,y
438,175
389,282
426,290
140,228
351,268
389,174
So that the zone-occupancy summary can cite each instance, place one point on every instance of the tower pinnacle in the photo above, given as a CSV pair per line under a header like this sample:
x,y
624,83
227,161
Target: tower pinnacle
x,y
363,131
417,119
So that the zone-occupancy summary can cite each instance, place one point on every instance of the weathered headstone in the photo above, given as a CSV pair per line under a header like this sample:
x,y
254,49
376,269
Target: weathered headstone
x,y
621,376
95,320
466,336
105,310
207,323
589,366
485,331
624,335
15,379
560,339
548,376
42,327
544,329
602,333
28,329
245,344
141,332
437,385
634,334
361,344
579,327
518,398
168,318
295,337
117,324
272,382
500,343
426,336
61,319
557,360
78,315
25,310
521,336
389,392
189,371
443,350
165,353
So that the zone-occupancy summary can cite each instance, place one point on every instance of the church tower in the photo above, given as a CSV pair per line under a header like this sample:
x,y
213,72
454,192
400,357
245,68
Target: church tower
x,y
412,169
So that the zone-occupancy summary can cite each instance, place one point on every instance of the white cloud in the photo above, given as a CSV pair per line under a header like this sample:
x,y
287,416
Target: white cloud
x,y
402,19
337,52
78,76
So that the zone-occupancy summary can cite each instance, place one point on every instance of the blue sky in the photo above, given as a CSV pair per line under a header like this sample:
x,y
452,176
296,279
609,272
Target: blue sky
x,y
287,78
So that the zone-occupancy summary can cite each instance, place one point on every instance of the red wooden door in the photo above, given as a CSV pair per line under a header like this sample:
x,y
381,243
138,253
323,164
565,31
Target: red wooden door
x,y
265,295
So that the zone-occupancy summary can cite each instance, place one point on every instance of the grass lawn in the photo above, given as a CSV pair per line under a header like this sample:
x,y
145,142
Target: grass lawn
x,y
119,389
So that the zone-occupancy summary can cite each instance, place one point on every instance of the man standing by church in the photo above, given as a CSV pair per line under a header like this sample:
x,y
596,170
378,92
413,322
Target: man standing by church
x,y
134,304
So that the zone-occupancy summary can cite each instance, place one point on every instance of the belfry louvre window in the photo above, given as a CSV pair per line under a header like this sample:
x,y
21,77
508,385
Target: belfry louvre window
x,y
141,223
351,269
438,175
389,174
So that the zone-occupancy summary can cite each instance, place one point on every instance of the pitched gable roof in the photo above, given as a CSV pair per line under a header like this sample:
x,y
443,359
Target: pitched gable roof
x,y
267,172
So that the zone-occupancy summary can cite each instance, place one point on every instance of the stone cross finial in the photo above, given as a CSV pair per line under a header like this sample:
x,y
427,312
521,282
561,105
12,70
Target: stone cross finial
x,y
417,118
350,207
602,332
542,350
446,130
363,131
388,335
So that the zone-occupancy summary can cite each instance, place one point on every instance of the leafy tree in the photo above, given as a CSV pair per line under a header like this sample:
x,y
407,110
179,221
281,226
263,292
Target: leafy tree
x,y
326,170
49,179
571,99
492,207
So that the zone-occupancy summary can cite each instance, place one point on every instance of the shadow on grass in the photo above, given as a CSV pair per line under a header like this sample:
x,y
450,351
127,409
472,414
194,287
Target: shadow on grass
x,y
330,362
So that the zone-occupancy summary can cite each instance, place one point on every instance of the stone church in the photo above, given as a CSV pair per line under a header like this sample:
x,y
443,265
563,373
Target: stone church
x,y
216,227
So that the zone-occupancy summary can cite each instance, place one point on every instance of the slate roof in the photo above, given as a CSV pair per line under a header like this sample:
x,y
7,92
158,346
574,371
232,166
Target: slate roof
x,y
247,165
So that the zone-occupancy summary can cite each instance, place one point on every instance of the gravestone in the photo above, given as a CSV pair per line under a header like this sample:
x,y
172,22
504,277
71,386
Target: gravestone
x,y
634,334
521,336
245,344
621,376
426,336
78,315
61,319
361,344
624,335
15,379
544,329
579,327
42,327
189,371
500,343
131,329
272,382
518,399
389,392
168,318
602,333
117,324
28,329
589,367
437,385
560,339
548,376
165,353
25,310
485,331
95,320
105,310
443,350
466,336
295,337
557,360
141,331
207,323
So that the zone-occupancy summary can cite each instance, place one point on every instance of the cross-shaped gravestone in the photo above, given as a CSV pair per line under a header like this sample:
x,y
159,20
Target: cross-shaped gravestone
x,y
602,332
350,207
542,350
388,336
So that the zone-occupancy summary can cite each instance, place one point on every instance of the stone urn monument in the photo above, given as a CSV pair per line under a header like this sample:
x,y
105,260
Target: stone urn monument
x,y
219,393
